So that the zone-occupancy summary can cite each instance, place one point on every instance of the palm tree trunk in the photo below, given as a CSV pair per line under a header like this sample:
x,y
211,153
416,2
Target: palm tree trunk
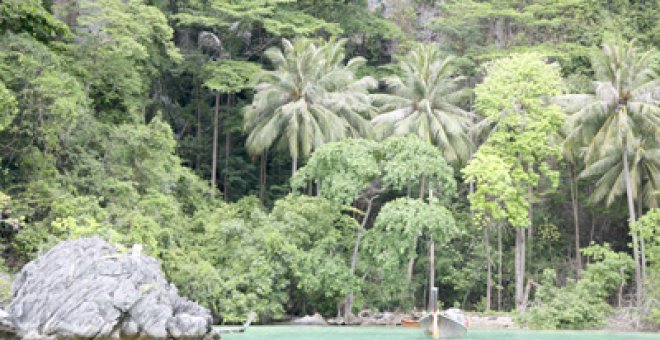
x,y
631,211
576,218
262,175
431,270
214,156
489,284
642,244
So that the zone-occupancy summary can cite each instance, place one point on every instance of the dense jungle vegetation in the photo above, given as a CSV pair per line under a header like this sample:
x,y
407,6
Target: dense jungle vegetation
x,y
300,156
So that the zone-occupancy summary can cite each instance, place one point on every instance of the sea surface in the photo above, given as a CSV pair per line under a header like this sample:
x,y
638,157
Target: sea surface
x,y
398,333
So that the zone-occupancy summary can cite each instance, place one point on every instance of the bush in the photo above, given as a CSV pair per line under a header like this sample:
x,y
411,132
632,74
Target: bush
x,y
580,304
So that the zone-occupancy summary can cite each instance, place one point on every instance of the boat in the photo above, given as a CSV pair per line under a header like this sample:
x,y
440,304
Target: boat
x,y
242,329
451,323
409,323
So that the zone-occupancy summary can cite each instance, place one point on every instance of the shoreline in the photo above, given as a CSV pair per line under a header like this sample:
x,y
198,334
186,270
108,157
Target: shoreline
x,y
478,321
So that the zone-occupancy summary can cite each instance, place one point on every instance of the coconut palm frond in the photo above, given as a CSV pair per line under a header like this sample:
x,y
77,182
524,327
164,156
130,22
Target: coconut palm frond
x,y
422,102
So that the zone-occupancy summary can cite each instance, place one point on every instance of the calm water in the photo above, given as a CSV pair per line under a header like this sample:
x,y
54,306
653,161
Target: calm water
x,y
397,333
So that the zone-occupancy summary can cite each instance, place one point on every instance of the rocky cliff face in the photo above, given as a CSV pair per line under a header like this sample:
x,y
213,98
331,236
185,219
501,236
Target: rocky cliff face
x,y
422,15
85,289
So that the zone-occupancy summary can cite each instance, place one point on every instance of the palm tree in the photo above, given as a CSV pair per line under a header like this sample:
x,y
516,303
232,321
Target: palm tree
x,y
422,102
625,107
644,167
310,98
644,171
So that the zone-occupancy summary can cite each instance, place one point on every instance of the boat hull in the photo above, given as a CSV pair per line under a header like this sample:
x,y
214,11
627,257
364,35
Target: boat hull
x,y
410,323
447,328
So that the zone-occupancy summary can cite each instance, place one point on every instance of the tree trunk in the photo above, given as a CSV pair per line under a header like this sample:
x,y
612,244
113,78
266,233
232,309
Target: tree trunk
x,y
214,157
262,175
489,269
520,266
642,244
348,305
576,218
198,159
294,165
226,172
631,212
225,177
530,229
422,187
431,270
409,275
499,267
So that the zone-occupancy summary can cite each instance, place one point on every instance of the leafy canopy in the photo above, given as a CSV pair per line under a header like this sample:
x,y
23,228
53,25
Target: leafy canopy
x,y
310,98
514,100
423,102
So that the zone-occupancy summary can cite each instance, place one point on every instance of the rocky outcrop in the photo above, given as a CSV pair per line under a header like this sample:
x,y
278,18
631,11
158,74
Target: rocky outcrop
x,y
382,319
313,320
85,289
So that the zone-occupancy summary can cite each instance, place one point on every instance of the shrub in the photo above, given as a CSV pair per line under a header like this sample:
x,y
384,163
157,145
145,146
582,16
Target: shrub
x,y
580,304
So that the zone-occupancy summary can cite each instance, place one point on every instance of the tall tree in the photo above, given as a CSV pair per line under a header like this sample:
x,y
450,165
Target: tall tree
x,y
346,174
423,102
399,227
310,98
625,106
514,96
226,77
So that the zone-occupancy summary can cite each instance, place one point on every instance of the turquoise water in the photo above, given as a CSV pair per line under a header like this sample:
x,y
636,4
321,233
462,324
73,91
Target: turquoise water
x,y
398,333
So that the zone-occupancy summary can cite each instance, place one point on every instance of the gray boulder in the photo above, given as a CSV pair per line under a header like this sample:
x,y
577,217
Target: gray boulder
x,y
85,289
313,320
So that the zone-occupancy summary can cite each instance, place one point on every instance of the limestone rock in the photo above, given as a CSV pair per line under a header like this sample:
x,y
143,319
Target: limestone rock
x,y
314,320
86,289
383,319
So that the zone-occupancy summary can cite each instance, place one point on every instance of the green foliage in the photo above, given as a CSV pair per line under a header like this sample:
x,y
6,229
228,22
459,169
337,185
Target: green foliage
x,y
565,30
398,228
46,98
230,76
571,307
580,304
30,17
277,17
496,196
343,170
408,160
621,119
229,259
105,128
648,229
319,238
513,100
310,98
408,219
122,46
7,107
424,102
